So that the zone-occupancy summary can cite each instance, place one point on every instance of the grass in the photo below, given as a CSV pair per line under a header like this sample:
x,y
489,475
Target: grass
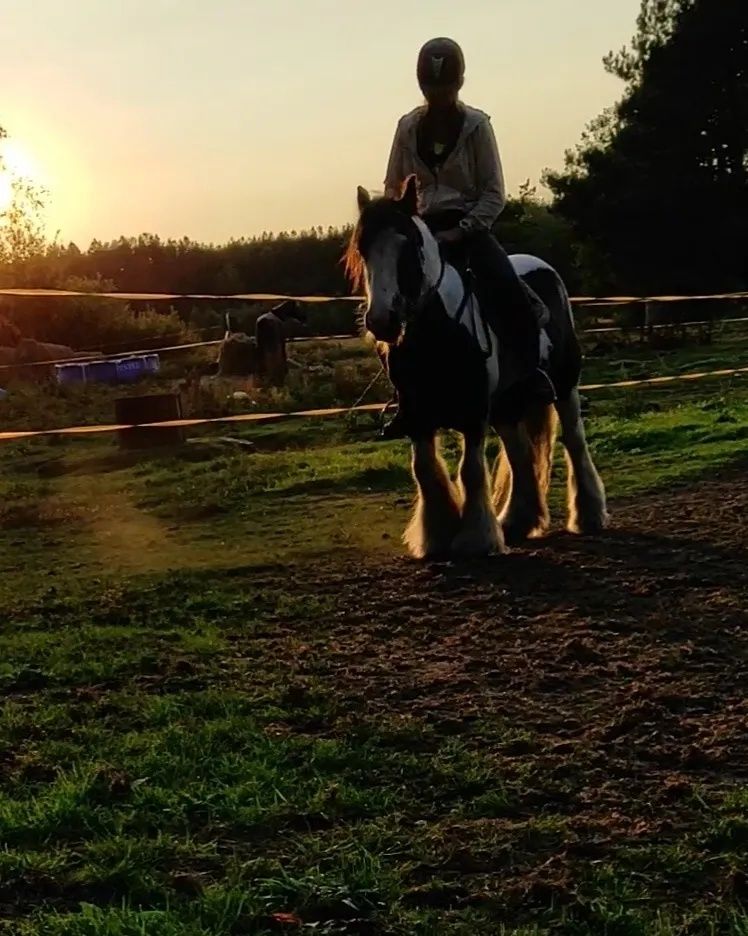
x,y
92,508
145,765
167,766
332,373
154,781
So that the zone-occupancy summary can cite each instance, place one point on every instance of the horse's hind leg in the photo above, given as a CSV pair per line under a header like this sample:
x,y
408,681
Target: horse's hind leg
x,y
519,500
480,533
587,510
436,516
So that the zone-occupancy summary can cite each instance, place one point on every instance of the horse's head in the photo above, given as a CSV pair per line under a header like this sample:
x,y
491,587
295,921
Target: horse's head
x,y
394,258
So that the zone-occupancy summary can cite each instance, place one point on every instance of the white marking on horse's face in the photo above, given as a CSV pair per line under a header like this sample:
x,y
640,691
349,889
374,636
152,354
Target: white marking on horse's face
x,y
384,301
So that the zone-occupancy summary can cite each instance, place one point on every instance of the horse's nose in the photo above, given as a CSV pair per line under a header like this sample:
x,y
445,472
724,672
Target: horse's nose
x,y
384,324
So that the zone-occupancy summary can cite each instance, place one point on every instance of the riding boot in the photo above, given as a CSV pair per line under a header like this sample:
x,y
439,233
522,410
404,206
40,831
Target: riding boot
x,y
537,381
516,313
538,386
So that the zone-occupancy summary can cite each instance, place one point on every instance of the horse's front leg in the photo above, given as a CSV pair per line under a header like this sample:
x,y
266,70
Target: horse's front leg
x,y
436,516
480,533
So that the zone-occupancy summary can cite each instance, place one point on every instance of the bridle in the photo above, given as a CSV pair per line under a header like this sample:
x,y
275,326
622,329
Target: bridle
x,y
414,306
413,309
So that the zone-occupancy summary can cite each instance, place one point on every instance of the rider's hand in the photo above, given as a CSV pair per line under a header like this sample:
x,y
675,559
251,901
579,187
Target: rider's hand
x,y
452,236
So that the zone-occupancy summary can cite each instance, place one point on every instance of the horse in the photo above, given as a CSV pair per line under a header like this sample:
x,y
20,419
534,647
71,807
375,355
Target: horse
x,y
449,368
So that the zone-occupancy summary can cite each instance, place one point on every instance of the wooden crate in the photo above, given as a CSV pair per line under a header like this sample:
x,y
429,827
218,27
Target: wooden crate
x,y
156,407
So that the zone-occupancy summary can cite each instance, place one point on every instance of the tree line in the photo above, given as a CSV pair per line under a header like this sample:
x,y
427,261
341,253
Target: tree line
x,y
302,263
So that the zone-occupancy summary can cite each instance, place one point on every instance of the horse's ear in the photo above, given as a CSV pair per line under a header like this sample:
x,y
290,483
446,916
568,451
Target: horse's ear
x,y
363,198
409,198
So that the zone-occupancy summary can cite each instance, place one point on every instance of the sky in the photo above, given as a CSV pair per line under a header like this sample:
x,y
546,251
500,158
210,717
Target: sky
x,y
223,118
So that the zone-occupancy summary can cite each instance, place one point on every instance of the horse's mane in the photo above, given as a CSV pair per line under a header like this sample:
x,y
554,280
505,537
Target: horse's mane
x,y
353,262
377,216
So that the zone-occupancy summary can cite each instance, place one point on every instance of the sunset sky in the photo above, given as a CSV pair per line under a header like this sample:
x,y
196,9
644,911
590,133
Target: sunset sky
x,y
227,118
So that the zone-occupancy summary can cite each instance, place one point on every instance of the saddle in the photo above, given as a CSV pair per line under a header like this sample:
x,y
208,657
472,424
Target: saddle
x,y
457,256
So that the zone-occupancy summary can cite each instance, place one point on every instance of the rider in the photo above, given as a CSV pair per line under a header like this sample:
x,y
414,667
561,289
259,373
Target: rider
x,y
452,150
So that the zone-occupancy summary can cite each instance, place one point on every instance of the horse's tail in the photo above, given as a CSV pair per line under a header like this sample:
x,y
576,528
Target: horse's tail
x,y
540,425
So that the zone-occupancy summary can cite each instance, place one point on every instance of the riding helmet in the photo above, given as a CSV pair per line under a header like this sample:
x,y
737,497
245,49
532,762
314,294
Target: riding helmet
x,y
440,63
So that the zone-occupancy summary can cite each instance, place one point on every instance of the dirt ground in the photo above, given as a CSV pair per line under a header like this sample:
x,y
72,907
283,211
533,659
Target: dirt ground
x,y
615,666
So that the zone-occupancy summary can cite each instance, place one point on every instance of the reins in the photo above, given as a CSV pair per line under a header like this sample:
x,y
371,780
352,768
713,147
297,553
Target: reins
x,y
467,293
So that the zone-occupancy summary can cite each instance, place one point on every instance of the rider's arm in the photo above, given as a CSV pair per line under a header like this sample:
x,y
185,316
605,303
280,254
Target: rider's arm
x,y
395,176
489,178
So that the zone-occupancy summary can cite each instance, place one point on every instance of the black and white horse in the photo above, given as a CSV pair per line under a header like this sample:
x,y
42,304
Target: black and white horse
x,y
448,367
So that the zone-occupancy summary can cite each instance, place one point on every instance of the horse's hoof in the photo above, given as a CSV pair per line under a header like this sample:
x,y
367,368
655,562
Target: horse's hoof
x,y
516,535
522,524
591,526
471,545
428,552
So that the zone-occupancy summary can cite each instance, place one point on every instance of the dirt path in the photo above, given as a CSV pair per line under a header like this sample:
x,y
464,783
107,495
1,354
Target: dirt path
x,y
615,669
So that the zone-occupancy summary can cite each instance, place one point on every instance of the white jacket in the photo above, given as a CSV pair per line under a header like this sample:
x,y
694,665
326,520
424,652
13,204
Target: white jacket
x,y
471,179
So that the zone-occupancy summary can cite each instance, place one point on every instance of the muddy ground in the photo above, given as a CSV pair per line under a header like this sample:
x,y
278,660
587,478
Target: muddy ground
x,y
615,666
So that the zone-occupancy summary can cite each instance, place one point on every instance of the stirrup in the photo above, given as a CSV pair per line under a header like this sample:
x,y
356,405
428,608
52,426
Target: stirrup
x,y
386,407
394,429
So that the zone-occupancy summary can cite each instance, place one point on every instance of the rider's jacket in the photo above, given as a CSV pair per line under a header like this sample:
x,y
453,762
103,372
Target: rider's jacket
x,y
471,179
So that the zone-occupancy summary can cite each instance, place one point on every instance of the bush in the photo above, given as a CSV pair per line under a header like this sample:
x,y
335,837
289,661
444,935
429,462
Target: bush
x,y
96,324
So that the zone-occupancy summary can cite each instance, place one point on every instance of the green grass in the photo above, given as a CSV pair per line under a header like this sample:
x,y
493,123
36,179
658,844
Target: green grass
x,y
334,374
168,769
90,507
155,782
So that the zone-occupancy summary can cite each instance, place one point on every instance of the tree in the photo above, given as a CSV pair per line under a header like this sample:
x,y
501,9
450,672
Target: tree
x,y
22,237
527,225
655,26
657,190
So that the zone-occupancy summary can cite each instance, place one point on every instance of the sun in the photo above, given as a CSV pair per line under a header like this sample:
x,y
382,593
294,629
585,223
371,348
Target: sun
x,y
16,162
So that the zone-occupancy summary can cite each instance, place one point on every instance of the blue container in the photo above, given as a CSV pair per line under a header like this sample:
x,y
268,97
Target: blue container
x,y
152,363
70,373
130,369
102,371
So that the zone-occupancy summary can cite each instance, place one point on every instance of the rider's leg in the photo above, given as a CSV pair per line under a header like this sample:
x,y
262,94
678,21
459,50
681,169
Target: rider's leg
x,y
514,309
